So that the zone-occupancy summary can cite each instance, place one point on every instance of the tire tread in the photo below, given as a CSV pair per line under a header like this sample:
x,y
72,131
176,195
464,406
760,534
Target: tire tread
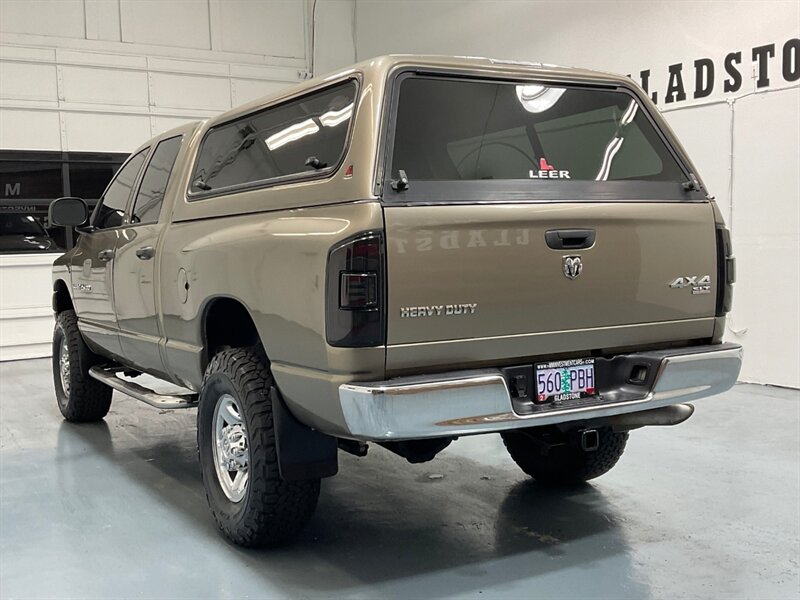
x,y
89,399
276,510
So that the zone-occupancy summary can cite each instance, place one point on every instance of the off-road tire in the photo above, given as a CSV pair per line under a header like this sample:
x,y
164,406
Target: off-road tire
x,y
272,510
86,399
565,464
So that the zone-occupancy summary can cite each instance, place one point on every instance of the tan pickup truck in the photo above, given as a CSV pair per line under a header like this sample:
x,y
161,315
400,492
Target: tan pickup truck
x,y
408,251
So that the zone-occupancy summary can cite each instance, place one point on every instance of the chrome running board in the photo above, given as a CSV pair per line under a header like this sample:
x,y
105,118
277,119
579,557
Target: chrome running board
x,y
146,395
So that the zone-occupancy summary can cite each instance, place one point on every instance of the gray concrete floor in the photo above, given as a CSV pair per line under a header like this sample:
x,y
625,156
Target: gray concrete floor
x,y
708,509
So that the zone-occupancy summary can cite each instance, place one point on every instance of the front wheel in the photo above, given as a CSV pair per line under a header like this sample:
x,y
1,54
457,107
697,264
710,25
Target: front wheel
x,y
554,457
80,397
250,502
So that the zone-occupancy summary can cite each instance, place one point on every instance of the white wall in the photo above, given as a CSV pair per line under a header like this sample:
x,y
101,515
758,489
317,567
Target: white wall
x,y
334,35
105,75
26,313
746,144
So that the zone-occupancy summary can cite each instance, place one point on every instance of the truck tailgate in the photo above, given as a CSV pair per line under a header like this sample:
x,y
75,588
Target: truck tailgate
x,y
479,283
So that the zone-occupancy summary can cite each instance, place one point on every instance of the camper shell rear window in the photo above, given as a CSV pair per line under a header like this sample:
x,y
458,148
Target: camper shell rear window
x,y
475,139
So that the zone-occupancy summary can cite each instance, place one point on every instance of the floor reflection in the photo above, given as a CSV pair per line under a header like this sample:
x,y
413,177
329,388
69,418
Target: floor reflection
x,y
380,520
118,509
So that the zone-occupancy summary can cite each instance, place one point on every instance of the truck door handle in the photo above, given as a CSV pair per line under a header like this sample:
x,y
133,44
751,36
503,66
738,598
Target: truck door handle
x,y
570,239
105,255
146,253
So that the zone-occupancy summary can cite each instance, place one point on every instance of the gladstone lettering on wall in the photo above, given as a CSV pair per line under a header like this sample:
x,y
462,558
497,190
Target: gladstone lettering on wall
x,y
769,65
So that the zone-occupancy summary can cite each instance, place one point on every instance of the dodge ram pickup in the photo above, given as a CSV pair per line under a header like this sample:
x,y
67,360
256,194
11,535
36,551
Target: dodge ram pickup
x,y
408,251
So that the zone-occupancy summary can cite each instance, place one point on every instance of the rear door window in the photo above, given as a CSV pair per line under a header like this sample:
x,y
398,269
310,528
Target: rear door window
x,y
150,197
459,130
278,142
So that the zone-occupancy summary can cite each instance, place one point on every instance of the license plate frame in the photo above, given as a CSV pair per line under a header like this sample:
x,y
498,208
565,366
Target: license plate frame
x,y
549,380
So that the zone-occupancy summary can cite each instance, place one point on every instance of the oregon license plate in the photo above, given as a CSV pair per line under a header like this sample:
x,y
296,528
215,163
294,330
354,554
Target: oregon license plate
x,y
565,380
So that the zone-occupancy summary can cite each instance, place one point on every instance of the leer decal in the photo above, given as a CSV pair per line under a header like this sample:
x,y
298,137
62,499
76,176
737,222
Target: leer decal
x,y
547,171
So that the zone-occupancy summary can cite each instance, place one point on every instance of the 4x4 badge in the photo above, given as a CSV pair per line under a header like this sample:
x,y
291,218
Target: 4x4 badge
x,y
699,284
573,266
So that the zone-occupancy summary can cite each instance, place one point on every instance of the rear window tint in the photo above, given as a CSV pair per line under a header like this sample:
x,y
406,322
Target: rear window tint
x,y
450,129
147,206
110,211
277,142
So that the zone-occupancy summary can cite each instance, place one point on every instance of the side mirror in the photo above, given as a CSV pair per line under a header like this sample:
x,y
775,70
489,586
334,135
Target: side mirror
x,y
68,212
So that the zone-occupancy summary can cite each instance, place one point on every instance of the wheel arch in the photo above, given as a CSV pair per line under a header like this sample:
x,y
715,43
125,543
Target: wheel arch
x,y
302,453
61,297
227,322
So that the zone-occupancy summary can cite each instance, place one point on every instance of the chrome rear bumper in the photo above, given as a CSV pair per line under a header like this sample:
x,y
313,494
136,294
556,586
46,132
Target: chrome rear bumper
x,y
469,402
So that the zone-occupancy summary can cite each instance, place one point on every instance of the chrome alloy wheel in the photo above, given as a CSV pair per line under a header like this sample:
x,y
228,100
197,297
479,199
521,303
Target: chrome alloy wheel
x,y
63,365
231,449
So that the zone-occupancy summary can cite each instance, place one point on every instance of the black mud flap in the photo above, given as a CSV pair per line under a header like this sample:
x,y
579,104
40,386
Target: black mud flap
x,y
302,452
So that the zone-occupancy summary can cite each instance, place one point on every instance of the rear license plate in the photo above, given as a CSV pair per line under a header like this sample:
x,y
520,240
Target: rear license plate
x,y
565,380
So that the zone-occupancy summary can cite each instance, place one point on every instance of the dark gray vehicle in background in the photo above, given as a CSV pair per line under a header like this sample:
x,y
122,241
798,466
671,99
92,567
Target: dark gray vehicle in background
x,y
21,233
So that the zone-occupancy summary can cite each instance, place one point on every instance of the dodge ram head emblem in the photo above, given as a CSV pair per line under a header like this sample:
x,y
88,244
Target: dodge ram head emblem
x,y
572,266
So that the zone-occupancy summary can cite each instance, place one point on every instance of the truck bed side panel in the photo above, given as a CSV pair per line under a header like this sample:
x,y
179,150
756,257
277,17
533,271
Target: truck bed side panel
x,y
273,263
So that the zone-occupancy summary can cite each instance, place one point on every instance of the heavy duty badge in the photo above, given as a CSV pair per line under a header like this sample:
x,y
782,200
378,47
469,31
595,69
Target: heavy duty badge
x,y
438,310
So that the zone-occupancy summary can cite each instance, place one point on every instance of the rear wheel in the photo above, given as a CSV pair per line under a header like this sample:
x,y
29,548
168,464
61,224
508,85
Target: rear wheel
x,y
80,397
554,457
250,502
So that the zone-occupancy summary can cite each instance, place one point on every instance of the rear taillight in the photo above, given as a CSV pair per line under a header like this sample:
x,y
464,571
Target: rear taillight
x,y
358,291
726,271
355,292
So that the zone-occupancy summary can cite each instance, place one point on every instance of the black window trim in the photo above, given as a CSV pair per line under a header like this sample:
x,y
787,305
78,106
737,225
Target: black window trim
x,y
509,190
59,156
135,186
303,177
127,222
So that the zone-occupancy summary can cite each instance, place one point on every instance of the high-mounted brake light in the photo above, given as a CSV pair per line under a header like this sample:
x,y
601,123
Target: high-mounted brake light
x,y
355,296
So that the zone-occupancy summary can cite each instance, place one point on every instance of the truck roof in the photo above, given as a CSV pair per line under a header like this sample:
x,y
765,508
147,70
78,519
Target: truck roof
x,y
376,70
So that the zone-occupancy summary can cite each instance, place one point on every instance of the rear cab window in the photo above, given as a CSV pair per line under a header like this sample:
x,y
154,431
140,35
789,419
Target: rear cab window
x,y
473,139
299,139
